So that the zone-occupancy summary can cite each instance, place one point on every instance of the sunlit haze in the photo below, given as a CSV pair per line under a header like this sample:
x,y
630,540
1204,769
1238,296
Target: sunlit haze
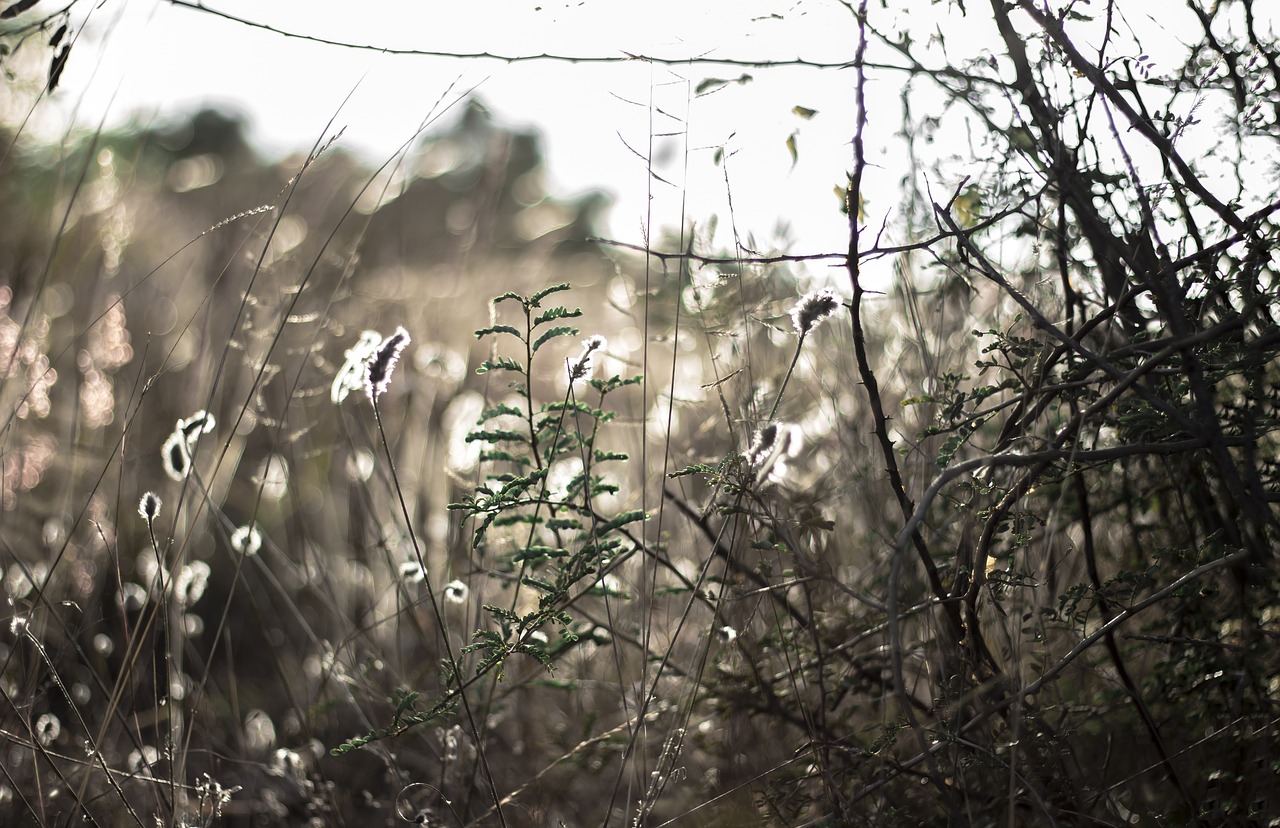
x,y
148,59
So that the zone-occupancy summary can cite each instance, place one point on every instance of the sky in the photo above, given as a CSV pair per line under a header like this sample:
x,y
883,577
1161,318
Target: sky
x,y
149,59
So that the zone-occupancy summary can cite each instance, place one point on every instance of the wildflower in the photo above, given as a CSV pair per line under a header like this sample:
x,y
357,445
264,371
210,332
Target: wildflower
x,y
378,369
176,452
149,506
413,572
47,729
812,308
176,457
259,731
351,375
140,761
761,445
582,369
247,540
212,792
288,763
770,449
456,592
201,422
191,583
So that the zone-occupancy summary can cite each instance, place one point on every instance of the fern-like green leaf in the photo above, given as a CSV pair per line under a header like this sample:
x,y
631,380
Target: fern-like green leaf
x,y
506,329
552,314
559,330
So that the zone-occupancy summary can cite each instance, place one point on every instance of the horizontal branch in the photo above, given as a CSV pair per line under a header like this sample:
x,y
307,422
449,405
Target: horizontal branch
x,y
623,57
718,260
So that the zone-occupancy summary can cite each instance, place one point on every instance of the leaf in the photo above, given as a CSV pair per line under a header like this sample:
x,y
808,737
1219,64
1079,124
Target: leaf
x,y
551,314
17,9
496,436
500,364
621,520
557,524
545,292
791,148
499,410
536,551
804,112
499,456
537,653
707,85
552,334
615,382
56,66
696,468
506,329
501,614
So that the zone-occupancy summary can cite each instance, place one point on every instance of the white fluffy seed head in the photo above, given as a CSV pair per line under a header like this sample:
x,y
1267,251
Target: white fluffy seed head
x,y
812,308
149,506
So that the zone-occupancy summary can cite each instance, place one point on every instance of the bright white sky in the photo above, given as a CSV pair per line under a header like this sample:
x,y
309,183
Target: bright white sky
x,y
154,58
150,58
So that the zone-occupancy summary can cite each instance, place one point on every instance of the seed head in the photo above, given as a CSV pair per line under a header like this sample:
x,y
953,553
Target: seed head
x,y
201,422
247,540
176,456
149,506
351,375
582,369
177,450
456,592
378,369
412,572
812,308
761,445
773,445
47,729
